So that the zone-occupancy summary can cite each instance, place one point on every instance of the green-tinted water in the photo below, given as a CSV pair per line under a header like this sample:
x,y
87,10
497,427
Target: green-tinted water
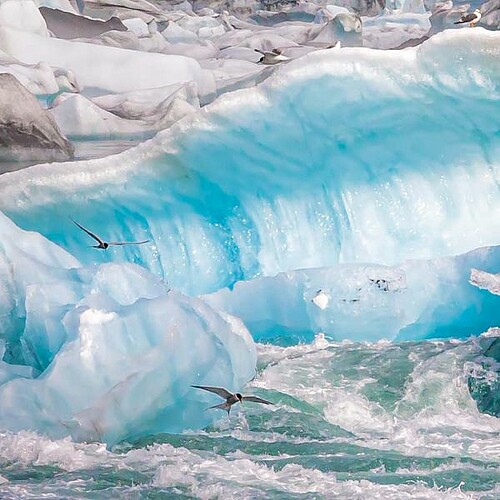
x,y
350,421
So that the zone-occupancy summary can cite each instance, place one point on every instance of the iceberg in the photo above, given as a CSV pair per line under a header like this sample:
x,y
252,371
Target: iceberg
x,y
22,15
28,132
485,281
106,352
393,165
413,301
158,107
491,14
79,117
132,70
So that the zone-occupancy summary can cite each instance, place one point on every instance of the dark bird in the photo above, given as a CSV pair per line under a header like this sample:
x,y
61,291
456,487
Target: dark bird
x,y
103,245
472,18
231,399
274,57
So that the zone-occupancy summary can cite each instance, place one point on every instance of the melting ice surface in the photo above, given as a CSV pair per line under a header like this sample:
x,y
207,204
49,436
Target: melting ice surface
x,y
401,161
415,300
105,353
345,155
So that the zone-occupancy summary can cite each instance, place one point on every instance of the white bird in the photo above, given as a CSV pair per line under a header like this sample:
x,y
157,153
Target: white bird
x,y
231,399
103,245
472,18
274,57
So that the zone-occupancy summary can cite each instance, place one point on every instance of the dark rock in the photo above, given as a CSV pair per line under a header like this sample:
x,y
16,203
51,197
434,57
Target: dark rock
x,y
28,132
68,26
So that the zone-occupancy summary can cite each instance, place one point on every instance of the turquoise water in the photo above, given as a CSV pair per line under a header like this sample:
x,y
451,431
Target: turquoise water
x,y
391,166
350,420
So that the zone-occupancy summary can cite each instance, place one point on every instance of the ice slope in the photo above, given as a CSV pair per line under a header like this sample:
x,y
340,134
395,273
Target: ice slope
x,y
107,68
348,155
28,132
106,352
22,15
413,301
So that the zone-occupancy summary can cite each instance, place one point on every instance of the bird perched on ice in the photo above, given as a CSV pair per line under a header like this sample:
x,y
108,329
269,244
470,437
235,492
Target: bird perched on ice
x,y
103,245
472,18
274,57
231,399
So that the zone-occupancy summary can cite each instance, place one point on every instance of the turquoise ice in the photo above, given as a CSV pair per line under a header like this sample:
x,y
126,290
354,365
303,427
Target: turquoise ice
x,y
342,156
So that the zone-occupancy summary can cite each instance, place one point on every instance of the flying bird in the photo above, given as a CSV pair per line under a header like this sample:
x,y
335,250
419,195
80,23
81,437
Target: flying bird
x,y
231,399
103,245
472,18
274,57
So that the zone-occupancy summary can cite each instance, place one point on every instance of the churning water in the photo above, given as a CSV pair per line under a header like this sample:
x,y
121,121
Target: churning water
x,y
351,420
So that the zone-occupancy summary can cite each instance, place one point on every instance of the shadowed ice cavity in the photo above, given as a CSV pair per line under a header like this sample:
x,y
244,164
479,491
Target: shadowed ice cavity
x,y
413,301
106,352
347,155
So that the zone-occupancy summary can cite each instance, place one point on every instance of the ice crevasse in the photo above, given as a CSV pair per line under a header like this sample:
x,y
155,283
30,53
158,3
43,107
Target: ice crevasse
x,y
106,352
349,155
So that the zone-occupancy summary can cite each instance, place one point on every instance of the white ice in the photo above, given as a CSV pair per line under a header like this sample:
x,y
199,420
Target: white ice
x,y
77,116
105,68
486,281
415,300
113,350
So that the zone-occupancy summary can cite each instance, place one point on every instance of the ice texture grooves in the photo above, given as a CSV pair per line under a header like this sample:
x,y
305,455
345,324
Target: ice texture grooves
x,y
413,301
348,155
106,352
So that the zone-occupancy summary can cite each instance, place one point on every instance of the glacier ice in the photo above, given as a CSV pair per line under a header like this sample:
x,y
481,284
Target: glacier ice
x,y
486,281
371,174
344,28
490,14
79,117
131,70
105,352
413,301
28,132
22,15
392,30
159,107
40,79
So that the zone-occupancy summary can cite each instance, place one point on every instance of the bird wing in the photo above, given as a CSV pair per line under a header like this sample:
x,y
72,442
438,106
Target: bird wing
x,y
90,233
256,399
121,243
260,51
222,406
220,391
468,18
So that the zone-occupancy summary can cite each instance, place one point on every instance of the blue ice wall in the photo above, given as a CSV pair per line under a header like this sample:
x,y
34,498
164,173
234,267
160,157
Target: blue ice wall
x,y
361,302
106,352
348,155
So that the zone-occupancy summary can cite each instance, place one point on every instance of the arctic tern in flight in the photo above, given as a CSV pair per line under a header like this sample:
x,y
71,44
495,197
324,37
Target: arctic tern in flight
x,y
231,399
103,245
